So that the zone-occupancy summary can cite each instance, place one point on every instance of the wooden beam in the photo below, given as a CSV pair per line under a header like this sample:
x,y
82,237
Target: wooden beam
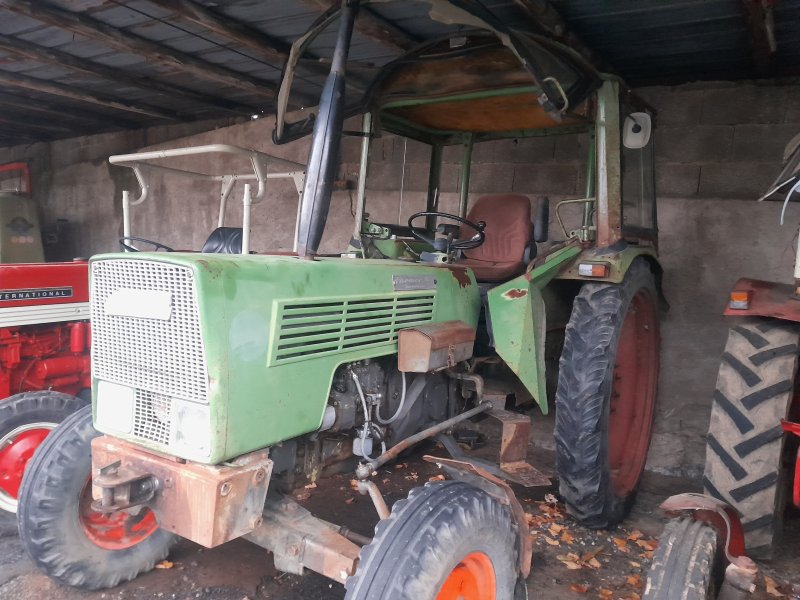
x,y
38,108
544,17
56,89
761,24
55,57
371,25
125,41
7,122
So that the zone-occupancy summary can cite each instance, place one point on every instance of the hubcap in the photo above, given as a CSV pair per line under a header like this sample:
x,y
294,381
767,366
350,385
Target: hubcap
x,y
116,530
633,394
16,449
472,579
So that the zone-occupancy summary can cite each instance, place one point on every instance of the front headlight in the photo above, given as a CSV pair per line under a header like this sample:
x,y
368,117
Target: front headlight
x,y
114,408
192,435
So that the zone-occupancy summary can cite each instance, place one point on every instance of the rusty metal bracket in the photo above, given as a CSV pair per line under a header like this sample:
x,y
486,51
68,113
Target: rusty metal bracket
x,y
299,540
122,488
741,573
500,491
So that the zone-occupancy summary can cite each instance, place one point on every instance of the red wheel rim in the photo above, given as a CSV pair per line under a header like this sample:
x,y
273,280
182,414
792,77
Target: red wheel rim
x,y
633,394
16,449
117,530
472,579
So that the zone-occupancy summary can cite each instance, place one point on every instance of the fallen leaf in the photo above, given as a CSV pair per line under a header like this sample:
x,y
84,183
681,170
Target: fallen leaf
x,y
400,466
551,541
165,564
621,544
550,499
649,545
349,500
555,529
772,588
579,588
634,564
635,581
436,478
310,486
594,563
635,535
354,484
304,495
587,556
604,593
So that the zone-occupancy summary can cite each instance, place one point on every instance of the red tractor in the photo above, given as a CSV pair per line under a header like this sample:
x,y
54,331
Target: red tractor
x,y
44,334
752,471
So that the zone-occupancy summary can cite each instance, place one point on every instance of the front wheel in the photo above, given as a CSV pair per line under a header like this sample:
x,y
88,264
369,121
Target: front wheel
x,y
446,541
69,541
25,421
686,564
606,396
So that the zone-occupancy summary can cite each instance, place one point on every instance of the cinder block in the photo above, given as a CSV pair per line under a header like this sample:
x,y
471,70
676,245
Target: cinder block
x,y
491,178
571,147
735,180
792,114
518,150
677,180
544,179
702,143
746,104
384,176
675,105
761,143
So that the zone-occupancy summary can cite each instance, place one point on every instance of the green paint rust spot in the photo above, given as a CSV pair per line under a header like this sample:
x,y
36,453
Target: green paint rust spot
x,y
515,293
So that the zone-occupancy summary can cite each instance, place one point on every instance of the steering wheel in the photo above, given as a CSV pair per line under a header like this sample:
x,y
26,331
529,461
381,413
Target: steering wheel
x,y
130,248
442,245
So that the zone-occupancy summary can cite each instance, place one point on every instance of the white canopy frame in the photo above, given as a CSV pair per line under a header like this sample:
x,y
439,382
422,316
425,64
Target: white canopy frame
x,y
260,162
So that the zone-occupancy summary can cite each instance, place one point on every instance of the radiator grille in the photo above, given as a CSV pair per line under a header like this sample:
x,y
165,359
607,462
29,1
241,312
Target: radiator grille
x,y
328,326
152,417
161,356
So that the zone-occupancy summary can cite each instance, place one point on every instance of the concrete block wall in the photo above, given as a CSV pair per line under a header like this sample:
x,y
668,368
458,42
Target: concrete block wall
x,y
718,146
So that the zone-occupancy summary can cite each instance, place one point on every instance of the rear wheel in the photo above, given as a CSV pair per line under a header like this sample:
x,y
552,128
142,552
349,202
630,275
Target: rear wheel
x,y
685,565
69,541
25,420
446,541
744,466
606,396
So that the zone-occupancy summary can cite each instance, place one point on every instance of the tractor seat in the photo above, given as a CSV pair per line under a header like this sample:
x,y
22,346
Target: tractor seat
x,y
224,240
508,232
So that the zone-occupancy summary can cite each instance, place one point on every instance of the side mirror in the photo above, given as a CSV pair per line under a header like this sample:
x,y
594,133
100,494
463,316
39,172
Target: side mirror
x,y
636,130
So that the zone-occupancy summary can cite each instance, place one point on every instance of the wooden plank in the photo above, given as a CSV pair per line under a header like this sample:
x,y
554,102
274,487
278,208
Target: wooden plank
x,y
38,108
56,89
55,57
125,41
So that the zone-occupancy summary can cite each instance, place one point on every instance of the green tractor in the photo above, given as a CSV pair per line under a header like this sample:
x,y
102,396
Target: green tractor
x,y
224,379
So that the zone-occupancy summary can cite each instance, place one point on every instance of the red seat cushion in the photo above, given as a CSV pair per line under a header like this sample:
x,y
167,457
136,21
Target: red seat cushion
x,y
508,232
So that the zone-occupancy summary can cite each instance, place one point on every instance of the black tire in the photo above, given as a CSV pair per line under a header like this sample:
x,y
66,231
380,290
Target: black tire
x,y
41,409
50,527
427,535
594,493
744,446
686,565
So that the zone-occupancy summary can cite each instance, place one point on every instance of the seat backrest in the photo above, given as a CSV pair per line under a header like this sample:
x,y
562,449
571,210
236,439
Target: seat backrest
x,y
508,227
224,240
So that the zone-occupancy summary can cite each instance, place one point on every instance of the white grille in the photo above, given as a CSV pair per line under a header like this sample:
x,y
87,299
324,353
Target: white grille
x,y
158,356
152,415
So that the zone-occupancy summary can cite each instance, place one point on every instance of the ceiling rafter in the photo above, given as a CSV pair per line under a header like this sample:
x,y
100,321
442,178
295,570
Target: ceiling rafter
x,y
372,26
125,41
56,89
37,106
58,58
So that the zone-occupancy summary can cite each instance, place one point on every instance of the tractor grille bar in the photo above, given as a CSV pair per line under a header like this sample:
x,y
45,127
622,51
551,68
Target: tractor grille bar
x,y
155,355
309,329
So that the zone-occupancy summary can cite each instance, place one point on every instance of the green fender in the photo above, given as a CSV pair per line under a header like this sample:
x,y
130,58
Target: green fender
x,y
517,313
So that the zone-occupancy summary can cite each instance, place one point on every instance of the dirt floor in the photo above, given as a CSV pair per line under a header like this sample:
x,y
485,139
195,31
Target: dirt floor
x,y
570,562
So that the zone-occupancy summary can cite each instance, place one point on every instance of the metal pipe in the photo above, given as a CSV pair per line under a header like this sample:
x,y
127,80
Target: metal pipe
x,y
324,153
365,469
466,163
434,177
369,487
590,182
361,193
126,214
227,186
357,538
247,202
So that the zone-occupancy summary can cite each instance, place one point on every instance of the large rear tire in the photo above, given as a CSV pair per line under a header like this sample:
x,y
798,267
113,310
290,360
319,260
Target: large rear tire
x,y
67,540
755,388
685,565
445,541
25,420
606,394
